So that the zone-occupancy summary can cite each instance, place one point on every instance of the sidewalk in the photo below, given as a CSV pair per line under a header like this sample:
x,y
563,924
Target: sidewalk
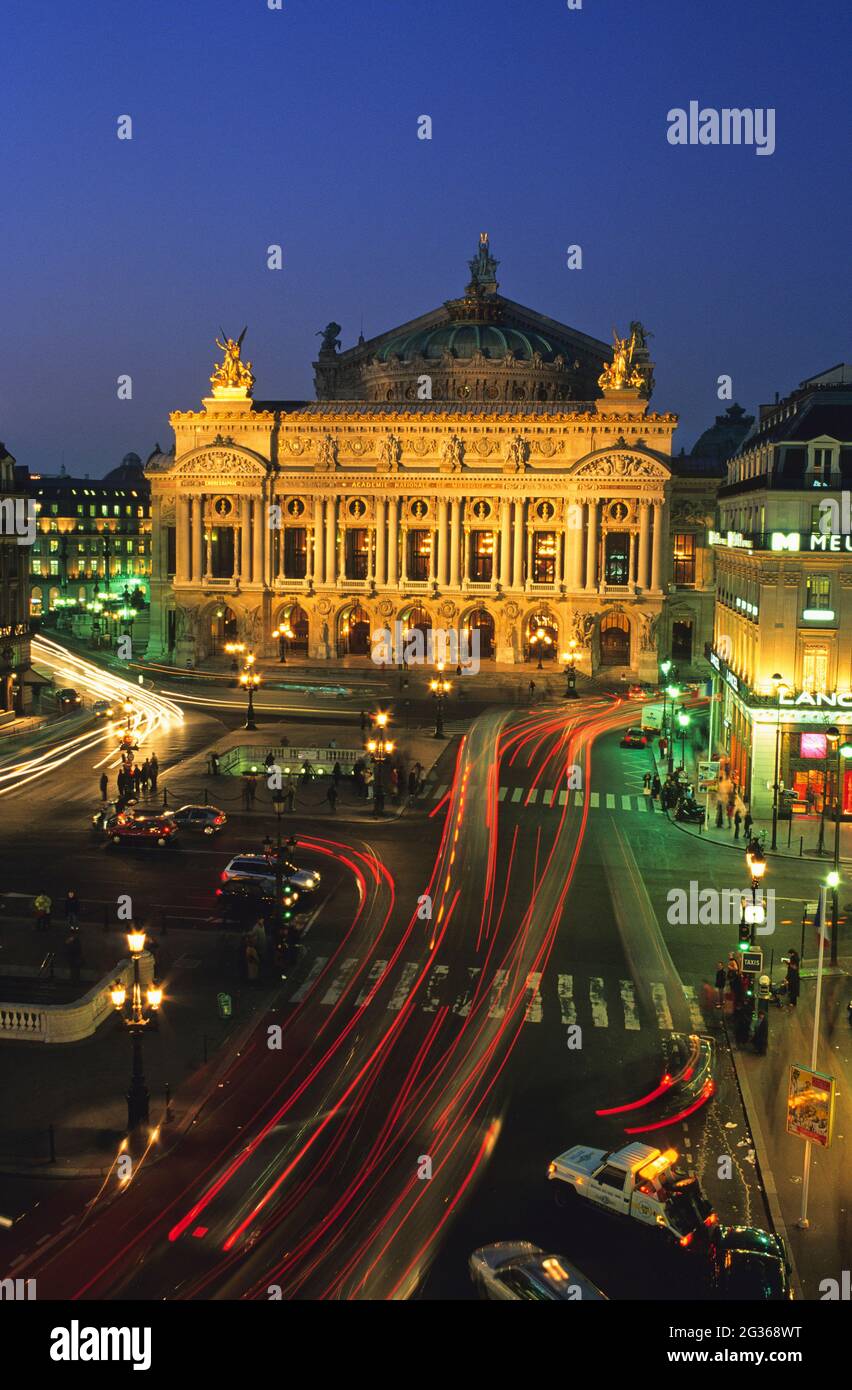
x,y
822,1251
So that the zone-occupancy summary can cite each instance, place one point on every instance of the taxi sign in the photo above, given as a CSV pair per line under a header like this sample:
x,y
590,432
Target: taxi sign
x,y
752,962
810,1105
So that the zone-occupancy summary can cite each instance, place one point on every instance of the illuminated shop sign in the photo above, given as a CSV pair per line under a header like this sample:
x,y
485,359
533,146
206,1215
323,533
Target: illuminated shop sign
x,y
813,541
734,540
818,615
833,699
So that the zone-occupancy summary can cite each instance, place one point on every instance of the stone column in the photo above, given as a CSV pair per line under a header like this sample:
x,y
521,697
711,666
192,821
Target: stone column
x,y
577,547
330,539
381,543
644,536
196,542
518,567
592,543
442,543
465,540
208,554
319,543
182,572
433,571
243,566
631,564
341,549
529,555
657,554
393,543
455,543
258,517
403,568
505,544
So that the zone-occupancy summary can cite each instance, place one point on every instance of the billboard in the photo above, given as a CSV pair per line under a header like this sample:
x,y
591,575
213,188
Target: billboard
x,y
810,1105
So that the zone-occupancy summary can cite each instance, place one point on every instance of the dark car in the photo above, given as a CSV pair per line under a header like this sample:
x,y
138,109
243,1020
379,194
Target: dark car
x,y
749,1264
635,738
208,820
245,899
68,700
133,827
515,1271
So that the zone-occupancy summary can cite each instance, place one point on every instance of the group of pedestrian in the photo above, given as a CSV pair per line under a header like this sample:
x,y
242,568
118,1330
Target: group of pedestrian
x,y
133,779
72,909
730,804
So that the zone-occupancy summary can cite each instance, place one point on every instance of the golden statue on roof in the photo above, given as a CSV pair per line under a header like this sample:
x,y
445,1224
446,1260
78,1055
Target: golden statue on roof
x,y
622,373
232,376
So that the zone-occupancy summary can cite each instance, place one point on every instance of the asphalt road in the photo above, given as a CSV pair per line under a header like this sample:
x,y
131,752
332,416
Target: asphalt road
x,y
425,1029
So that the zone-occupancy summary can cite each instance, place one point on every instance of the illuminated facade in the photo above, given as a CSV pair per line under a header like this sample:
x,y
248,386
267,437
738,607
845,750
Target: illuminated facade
x,y
784,596
465,488
17,682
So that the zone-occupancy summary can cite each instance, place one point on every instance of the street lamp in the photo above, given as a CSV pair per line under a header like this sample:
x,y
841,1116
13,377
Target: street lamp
x,y
780,687
542,640
440,689
756,861
286,895
569,658
673,691
127,708
136,1019
250,680
283,633
683,721
844,751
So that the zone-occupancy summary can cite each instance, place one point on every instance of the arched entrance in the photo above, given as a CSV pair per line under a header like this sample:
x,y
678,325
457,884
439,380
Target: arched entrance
x,y
353,631
223,628
615,640
479,632
541,639
299,624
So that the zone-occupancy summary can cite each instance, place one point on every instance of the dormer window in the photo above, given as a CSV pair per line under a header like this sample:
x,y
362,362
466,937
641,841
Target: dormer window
x,y
819,472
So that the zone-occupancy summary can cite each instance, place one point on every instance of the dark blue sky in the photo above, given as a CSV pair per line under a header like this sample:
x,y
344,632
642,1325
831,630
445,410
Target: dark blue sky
x,y
254,126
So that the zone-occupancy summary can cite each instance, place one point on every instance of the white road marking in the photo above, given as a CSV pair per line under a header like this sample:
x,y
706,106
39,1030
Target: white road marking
x,y
534,1011
307,983
464,1001
439,791
335,990
563,797
501,795
628,1003
597,999
594,800
547,796
433,988
377,971
498,1008
579,798
661,1006
517,793
406,980
626,803
610,801
533,797
565,990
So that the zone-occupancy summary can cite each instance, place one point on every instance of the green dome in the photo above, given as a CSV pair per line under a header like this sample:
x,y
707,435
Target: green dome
x,y
464,340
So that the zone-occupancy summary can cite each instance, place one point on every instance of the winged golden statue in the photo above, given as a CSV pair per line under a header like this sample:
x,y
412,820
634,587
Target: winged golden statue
x,y
232,372
621,372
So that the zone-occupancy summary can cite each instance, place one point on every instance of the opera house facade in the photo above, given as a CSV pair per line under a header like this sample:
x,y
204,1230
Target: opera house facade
x,y
482,470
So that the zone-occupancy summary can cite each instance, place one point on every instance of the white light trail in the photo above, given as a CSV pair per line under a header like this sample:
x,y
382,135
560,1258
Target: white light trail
x,y
151,714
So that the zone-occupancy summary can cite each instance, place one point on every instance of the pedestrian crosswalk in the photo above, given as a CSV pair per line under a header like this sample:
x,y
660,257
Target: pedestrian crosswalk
x,y
539,796
592,1002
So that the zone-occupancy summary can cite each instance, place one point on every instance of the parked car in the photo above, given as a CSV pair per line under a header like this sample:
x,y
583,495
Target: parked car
x,y
102,709
637,692
749,1264
635,738
208,820
257,865
135,827
516,1270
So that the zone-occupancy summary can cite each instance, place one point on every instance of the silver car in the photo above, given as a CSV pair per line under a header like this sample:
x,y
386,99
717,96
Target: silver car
x,y
516,1270
257,865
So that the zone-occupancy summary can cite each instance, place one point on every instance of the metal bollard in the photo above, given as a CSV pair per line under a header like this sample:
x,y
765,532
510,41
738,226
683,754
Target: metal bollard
x,y
165,797
51,1139
169,1115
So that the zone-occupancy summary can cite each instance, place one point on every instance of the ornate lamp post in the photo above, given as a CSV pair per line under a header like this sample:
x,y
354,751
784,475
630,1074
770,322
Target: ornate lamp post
x,y
569,658
285,894
379,747
672,691
843,751
440,689
683,720
250,680
283,634
756,862
780,687
235,651
541,639
136,1017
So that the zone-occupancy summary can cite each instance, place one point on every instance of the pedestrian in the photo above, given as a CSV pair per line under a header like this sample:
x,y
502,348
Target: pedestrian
x,y
332,743
104,786
720,981
747,824
269,760
336,774
74,952
214,764
646,784
742,1020
72,909
247,795
43,907
153,771
760,1040
358,779
146,774
532,691
252,960
793,982
307,771
730,807
137,779
290,794
394,781
719,813
252,787
656,786
737,822
368,784
412,785
331,796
